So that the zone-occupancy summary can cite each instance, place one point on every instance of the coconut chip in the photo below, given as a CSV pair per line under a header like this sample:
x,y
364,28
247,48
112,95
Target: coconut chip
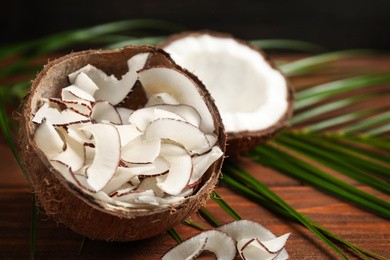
x,y
107,155
255,241
252,240
215,241
109,87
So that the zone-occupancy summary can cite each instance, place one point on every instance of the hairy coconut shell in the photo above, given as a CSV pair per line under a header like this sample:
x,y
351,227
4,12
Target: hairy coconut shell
x,y
68,204
240,142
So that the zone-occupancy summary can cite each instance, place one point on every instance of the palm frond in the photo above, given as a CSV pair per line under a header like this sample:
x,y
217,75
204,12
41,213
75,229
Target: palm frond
x,y
8,136
313,95
311,63
225,206
175,235
152,40
34,216
61,40
234,171
288,44
305,172
259,197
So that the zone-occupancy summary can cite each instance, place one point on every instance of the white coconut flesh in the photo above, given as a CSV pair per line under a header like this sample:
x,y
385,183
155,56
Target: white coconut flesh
x,y
249,93
252,241
220,243
150,157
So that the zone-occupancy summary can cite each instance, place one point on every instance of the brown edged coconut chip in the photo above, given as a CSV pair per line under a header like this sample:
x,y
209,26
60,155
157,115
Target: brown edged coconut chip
x,y
252,240
83,169
255,241
253,96
222,245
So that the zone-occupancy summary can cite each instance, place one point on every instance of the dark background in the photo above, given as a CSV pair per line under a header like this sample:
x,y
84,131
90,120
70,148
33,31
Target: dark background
x,y
333,24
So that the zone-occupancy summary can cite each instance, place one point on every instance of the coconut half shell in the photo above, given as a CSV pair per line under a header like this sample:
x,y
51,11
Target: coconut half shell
x,y
254,98
67,203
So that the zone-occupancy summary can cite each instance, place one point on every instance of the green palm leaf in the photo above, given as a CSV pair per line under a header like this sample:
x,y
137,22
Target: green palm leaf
x,y
311,63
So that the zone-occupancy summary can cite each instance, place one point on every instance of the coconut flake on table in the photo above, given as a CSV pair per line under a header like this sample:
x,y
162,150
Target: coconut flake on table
x,y
129,158
251,239
221,244
254,241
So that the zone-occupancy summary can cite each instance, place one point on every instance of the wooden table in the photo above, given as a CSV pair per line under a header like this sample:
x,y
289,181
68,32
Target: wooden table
x,y
55,241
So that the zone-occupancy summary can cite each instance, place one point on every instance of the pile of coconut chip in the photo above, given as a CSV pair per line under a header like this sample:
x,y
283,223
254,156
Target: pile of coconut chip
x,y
148,157
252,241
120,145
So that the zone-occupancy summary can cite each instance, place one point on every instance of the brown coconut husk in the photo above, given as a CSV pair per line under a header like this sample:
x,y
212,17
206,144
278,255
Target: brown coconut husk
x,y
241,142
68,204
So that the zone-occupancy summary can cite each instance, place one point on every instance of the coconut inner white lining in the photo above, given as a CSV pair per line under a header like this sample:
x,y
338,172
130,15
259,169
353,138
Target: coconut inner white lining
x,y
249,93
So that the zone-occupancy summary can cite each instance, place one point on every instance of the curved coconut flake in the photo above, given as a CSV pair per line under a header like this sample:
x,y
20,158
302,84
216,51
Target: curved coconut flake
x,y
144,116
241,229
73,155
148,200
64,170
74,93
82,182
75,132
85,83
179,86
151,184
141,151
124,189
160,99
107,154
145,170
89,155
127,187
127,133
124,114
202,163
48,139
212,139
239,78
103,111
282,255
93,73
58,118
192,251
110,88
275,245
180,169
77,180
252,249
213,240
160,167
81,107
189,113
122,176
169,200
52,104
132,195
179,131
244,231
102,198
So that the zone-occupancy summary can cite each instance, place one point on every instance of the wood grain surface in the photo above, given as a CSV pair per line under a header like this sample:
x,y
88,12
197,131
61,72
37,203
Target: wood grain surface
x,y
55,241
